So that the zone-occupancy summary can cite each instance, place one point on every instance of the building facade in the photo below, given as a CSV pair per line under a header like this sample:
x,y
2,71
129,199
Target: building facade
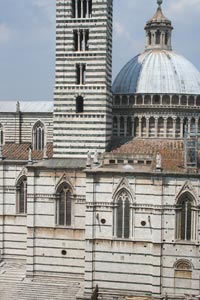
x,y
103,186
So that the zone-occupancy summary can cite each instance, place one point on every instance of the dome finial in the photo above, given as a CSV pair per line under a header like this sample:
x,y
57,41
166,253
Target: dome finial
x,y
159,2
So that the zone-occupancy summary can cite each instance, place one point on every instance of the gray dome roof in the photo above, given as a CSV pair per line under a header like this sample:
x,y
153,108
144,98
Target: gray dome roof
x,y
158,71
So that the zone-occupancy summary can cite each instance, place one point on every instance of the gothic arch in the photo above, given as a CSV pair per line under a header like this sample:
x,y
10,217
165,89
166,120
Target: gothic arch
x,y
64,180
124,185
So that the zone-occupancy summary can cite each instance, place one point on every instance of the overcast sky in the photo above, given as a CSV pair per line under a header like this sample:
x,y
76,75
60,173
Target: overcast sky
x,y
27,40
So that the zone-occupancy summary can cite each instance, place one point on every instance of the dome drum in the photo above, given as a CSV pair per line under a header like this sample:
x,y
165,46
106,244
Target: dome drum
x,y
154,100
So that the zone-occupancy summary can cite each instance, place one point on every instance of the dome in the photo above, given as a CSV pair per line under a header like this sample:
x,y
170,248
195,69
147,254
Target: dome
x,y
158,71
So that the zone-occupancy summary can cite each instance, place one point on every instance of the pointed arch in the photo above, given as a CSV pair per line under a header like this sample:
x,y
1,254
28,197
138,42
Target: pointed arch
x,y
38,136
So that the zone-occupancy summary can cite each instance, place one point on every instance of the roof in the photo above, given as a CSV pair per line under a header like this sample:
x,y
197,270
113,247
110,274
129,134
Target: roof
x,y
159,17
21,151
158,71
27,106
172,152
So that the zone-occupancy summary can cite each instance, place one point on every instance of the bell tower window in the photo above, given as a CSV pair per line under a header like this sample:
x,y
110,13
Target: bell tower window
x,y
81,8
81,39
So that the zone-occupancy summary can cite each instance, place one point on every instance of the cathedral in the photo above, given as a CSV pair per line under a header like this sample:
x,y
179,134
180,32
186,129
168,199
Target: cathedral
x,y
102,185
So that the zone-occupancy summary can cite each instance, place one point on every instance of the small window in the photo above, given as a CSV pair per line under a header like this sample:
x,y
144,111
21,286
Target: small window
x,y
64,206
38,136
79,104
22,196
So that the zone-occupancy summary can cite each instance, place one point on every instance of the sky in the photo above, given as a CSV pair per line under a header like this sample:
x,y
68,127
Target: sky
x,y
27,41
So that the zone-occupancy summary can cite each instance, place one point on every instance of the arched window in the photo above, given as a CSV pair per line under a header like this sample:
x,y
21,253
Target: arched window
x,y
64,205
79,104
22,195
123,215
1,135
182,276
38,136
186,216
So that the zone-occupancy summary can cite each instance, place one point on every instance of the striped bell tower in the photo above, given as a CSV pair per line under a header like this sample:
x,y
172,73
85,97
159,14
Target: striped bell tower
x,y
82,97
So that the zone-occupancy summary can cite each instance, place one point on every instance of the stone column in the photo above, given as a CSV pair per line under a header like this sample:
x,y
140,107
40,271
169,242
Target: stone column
x,y
181,129
189,126
79,40
87,9
165,127
84,44
140,127
147,127
76,9
81,8
156,127
196,125
81,74
174,127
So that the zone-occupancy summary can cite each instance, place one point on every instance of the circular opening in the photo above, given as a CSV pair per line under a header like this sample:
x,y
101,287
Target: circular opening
x,y
143,223
64,252
103,221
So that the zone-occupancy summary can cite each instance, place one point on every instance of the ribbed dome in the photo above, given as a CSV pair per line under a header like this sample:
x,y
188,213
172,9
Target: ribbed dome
x,y
158,71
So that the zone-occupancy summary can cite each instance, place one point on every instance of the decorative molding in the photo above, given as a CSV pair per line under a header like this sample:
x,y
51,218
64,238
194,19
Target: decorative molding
x,y
65,179
24,172
187,187
124,184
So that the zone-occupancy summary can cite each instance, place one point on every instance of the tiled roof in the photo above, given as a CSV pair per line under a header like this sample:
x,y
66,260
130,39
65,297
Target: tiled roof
x,y
172,152
20,152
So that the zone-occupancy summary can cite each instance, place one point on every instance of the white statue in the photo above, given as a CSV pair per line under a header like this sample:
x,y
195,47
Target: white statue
x,y
96,160
158,161
88,162
30,154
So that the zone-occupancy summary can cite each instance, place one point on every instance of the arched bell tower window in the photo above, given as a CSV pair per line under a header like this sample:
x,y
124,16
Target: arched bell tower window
x,y
79,104
186,218
38,136
64,205
123,214
22,195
